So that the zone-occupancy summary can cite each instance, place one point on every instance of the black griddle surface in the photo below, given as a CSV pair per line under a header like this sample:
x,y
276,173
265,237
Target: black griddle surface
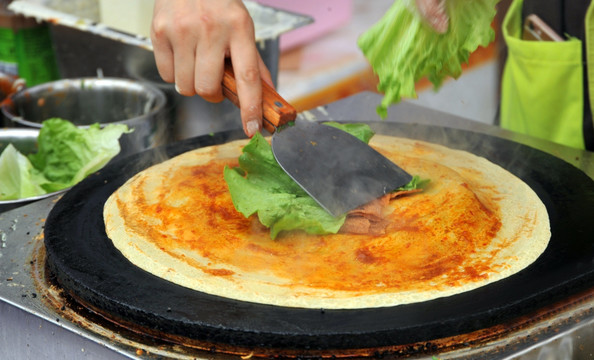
x,y
87,265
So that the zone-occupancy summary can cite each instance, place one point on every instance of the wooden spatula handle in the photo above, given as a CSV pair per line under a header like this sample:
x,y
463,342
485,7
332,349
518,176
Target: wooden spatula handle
x,y
275,109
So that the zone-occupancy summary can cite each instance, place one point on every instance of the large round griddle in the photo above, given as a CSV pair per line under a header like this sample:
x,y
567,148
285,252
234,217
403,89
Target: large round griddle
x,y
87,265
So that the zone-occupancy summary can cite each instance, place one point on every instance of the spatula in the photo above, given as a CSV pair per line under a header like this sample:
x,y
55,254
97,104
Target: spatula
x,y
335,168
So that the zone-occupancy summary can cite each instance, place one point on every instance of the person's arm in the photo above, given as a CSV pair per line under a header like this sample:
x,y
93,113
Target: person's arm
x,y
192,38
434,12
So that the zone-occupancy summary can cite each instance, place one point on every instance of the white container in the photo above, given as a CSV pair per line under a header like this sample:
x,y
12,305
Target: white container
x,y
130,16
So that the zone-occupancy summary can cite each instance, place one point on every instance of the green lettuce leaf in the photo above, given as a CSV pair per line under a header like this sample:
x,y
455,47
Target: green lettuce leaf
x,y
402,48
415,183
18,178
67,154
361,131
260,186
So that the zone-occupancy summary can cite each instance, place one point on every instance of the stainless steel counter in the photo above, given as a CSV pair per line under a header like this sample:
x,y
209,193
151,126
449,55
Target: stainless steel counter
x,y
32,328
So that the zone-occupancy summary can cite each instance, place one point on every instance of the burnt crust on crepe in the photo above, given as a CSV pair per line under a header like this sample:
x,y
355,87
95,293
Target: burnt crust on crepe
x,y
474,224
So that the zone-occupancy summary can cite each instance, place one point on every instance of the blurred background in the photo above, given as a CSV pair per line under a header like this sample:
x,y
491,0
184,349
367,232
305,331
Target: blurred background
x,y
314,58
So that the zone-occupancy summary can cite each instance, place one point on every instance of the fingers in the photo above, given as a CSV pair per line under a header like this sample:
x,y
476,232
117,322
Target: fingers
x,y
184,70
264,72
434,12
160,40
246,65
209,74
191,39
174,42
229,32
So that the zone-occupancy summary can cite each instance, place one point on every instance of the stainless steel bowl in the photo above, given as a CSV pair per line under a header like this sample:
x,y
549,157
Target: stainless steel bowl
x,y
85,101
25,141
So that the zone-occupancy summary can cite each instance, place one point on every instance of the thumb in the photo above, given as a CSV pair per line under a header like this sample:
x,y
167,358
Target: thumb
x,y
433,11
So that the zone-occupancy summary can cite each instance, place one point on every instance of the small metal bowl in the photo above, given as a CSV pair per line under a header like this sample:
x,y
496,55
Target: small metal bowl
x,y
85,101
25,141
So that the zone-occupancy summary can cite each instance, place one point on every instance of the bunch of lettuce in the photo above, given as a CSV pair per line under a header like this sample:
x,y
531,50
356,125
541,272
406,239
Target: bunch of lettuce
x,y
402,48
259,185
66,155
18,178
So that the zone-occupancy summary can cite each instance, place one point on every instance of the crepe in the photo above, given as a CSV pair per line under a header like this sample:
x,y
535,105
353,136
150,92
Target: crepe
x,y
474,224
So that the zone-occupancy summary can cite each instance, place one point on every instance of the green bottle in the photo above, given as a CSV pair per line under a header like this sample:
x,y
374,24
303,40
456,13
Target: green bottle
x,y
26,48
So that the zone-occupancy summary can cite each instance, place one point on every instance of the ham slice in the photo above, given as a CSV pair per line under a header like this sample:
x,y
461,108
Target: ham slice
x,y
369,218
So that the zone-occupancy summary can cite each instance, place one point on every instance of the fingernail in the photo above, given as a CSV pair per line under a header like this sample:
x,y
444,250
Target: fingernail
x,y
177,89
252,127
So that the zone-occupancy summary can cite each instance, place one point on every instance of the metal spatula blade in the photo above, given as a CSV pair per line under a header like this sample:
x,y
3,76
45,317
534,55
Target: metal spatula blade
x,y
335,168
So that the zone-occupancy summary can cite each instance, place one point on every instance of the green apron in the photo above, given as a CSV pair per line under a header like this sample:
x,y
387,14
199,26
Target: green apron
x,y
542,85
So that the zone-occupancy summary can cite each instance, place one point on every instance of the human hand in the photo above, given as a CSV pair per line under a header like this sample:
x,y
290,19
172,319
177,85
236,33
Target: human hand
x,y
192,38
434,12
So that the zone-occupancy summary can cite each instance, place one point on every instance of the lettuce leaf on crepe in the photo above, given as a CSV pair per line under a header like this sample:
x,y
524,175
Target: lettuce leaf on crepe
x,y
260,186
67,154
402,48
361,131
18,178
